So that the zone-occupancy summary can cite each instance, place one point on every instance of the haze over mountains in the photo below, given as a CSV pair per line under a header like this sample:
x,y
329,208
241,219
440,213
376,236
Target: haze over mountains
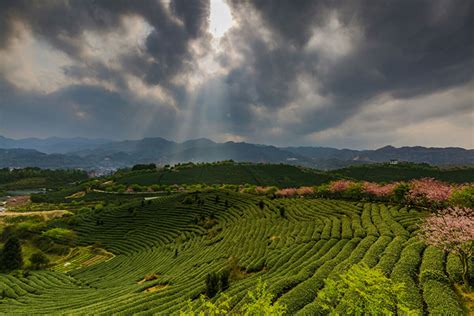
x,y
101,153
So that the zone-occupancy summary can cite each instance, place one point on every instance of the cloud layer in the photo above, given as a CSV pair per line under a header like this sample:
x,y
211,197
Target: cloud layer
x,y
357,74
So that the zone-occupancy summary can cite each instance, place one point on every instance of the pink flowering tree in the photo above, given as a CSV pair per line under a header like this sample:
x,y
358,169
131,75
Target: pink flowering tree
x,y
340,186
304,191
429,191
288,192
260,190
452,230
378,190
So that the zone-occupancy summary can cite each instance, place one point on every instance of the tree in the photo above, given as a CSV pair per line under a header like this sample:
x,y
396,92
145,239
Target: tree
x,y
282,211
400,191
361,291
12,257
38,260
212,284
452,230
224,279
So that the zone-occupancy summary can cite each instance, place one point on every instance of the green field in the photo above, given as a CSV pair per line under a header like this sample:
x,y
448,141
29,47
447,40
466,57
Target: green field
x,y
180,240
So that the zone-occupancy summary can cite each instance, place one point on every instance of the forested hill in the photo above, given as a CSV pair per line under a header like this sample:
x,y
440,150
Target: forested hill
x,y
38,178
227,173
405,171
286,175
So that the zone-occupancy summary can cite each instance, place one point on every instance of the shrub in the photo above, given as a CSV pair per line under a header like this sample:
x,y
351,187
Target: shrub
x,y
454,267
258,302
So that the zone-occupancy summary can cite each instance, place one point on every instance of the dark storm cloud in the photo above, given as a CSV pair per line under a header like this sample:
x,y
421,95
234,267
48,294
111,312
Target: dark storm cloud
x,y
407,49
80,110
414,47
61,23
405,42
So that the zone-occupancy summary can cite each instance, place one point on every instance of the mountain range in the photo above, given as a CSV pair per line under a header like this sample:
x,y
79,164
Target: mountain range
x,y
106,154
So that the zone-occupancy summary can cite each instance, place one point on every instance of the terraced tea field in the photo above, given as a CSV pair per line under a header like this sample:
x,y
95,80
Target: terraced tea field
x,y
179,239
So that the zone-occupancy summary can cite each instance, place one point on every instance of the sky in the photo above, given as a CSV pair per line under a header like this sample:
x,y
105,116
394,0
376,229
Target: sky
x,y
346,74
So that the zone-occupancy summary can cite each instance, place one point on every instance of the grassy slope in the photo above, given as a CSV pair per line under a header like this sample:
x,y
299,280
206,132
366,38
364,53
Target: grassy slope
x,y
293,255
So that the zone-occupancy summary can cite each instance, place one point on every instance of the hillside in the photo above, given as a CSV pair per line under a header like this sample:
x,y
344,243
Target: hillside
x,y
404,172
288,176
228,173
163,249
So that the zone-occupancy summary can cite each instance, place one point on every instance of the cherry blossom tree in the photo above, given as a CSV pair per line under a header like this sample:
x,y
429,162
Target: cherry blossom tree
x,y
288,192
340,185
429,190
452,230
304,191
378,190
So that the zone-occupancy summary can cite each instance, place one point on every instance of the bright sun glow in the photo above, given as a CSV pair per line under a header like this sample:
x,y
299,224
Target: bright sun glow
x,y
220,19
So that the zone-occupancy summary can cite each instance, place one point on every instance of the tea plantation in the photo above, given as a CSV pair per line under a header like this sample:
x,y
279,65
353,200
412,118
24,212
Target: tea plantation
x,y
161,251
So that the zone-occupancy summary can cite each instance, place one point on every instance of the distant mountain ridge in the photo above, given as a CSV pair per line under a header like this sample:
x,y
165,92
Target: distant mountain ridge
x,y
102,153
52,145
419,154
